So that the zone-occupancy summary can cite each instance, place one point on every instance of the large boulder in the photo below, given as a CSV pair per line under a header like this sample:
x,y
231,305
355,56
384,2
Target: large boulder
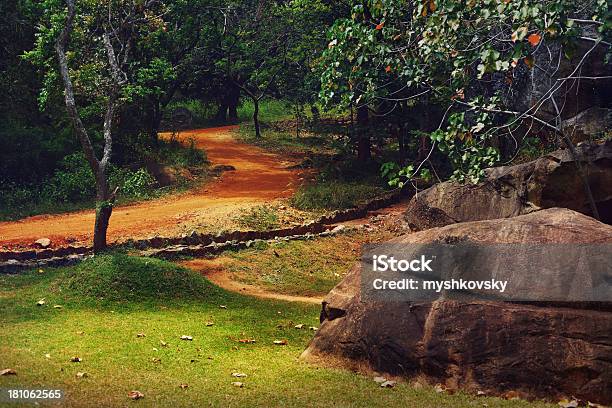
x,y
550,181
541,349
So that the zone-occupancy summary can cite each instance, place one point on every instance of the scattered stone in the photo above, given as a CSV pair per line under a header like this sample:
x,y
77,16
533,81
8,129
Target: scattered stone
x,y
8,371
238,384
299,326
187,338
281,342
82,374
239,375
141,335
380,380
41,302
388,384
183,386
43,242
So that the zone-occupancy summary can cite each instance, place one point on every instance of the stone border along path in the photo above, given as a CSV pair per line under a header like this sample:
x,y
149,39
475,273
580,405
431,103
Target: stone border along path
x,y
195,244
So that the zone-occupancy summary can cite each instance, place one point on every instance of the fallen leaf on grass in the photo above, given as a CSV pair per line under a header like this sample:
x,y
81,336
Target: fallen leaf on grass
x,y
184,337
135,395
222,306
58,306
314,328
47,355
380,380
82,374
141,335
388,384
239,375
41,302
281,342
481,393
183,386
76,359
246,341
8,371
238,384
208,324
163,343
299,326
156,360
439,388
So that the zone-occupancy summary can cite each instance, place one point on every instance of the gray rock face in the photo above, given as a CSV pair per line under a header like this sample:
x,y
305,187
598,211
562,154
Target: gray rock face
x,y
550,181
543,350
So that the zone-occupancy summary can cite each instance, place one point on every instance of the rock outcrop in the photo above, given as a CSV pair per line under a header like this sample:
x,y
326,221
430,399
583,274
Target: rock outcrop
x,y
550,181
541,350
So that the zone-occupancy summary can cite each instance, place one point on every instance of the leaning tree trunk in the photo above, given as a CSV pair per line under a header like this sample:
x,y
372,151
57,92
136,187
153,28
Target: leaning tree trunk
x,y
256,117
104,208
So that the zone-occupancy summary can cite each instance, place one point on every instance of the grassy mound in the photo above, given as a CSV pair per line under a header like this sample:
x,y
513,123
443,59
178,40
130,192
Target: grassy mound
x,y
123,277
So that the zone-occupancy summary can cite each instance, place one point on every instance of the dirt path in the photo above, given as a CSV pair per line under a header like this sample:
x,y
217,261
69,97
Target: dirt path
x,y
260,176
213,270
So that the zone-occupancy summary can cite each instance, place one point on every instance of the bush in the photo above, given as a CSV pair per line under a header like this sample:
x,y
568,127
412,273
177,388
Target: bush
x,y
73,181
137,184
174,153
123,277
260,218
333,195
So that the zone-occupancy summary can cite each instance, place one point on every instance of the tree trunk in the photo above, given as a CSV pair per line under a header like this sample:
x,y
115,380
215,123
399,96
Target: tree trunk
x,y
104,209
222,113
233,113
401,142
364,145
155,122
256,117
233,100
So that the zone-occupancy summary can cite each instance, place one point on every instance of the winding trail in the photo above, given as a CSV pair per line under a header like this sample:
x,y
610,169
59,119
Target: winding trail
x,y
259,176
214,271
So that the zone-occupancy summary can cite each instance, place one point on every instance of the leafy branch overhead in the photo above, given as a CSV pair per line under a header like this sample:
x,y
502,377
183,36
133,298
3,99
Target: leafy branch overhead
x,y
472,58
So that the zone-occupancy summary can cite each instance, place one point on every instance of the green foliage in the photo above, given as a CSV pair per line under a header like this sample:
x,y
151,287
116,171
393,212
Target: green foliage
x,y
73,181
398,176
118,277
136,185
270,110
333,195
259,218
451,54
174,153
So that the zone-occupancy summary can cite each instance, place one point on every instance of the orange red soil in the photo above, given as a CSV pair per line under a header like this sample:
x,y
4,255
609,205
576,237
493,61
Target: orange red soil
x,y
260,176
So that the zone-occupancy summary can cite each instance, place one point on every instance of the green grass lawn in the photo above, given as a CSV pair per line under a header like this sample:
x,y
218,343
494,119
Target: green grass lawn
x,y
305,268
164,302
